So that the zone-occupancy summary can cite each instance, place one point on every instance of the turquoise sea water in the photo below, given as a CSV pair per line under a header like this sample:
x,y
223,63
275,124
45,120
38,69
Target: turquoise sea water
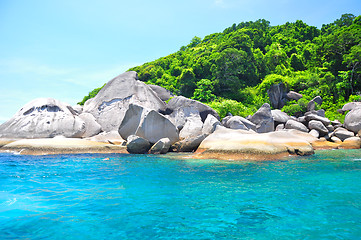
x,y
150,197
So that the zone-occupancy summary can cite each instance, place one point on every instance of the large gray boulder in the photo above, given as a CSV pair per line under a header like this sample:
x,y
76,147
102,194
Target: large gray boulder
x,y
179,116
279,116
43,118
161,92
179,102
148,124
110,104
319,126
294,95
235,122
263,119
137,145
92,128
293,124
353,120
192,128
277,95
350,106
161,147
210,124
312,116
312,104
189,144
343,133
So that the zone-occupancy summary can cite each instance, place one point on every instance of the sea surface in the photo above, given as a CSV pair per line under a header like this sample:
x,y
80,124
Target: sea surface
x,y
118,196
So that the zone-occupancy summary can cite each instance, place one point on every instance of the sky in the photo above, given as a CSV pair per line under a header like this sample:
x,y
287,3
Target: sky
x,y
64,49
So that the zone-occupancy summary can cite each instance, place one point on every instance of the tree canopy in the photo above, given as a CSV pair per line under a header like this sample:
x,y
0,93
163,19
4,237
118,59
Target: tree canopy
x,y
234,63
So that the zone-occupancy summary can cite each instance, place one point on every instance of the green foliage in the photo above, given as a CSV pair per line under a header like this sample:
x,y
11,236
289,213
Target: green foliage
x,y
293,107
224,106
91,94
245,60
204,91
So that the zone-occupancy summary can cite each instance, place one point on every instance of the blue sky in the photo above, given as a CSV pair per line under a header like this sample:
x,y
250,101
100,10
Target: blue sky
x,y
64,49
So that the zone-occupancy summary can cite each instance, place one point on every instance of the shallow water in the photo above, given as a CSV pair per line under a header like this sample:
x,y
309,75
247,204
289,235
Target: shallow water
x,y
150,197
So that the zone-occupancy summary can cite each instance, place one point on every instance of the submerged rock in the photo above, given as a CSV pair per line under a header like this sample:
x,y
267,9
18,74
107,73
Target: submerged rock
x,y
43,118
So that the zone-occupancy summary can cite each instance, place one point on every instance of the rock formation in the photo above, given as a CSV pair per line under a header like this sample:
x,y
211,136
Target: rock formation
x,y
44,118
148,124
110,104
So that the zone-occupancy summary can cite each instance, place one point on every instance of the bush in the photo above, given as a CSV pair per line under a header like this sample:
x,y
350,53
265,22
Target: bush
x,y
224,106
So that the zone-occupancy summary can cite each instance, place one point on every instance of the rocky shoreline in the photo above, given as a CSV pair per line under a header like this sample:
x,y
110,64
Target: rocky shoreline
x,y
129,116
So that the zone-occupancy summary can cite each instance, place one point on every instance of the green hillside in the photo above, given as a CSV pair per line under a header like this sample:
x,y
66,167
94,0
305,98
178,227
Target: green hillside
x,y
231,71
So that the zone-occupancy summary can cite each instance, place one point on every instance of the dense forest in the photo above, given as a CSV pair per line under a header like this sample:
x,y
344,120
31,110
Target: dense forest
x,y
232,71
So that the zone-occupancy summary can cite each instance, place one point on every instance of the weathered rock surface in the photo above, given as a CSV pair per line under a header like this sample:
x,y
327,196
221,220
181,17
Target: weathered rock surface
x,y
280,127
78,109
353,120
180,102
237,122
311,116
112,137
189,144
263,119
161,147
43,118
318,125
351,143
279,116
61,145
161,92
137,145
210,124
277,95
317,100
233,144
92,128
335,139
350,106
192,128
343,134
293,124
294,95
110,104
148,124
314,133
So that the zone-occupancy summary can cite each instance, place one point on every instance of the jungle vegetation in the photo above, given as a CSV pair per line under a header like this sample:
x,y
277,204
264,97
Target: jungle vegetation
x,y
231,71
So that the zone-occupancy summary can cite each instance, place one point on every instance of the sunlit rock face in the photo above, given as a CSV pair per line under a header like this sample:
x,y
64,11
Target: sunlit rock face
x,y
43,118
110,104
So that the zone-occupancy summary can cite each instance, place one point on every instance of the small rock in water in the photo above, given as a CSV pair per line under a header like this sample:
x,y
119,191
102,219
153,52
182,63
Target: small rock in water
x,y
137,145
161,147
